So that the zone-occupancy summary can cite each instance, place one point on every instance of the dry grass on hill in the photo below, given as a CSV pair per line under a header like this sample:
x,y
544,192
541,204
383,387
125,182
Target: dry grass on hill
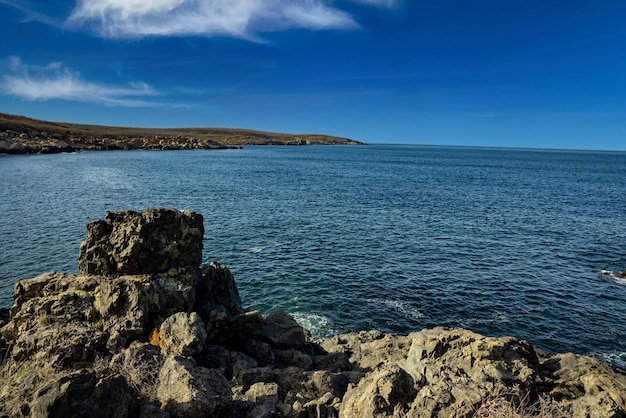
x,y
224,136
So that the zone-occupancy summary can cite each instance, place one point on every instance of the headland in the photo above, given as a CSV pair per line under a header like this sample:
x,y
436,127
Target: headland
x,y
22,135
145,330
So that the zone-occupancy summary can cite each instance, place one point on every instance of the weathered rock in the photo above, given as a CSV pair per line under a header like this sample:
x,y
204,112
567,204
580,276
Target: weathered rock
x,y
152,334
216,291
457,369
80,394
387,391
54,313
368,349
153,241
190,391
182,334
591,387
282,331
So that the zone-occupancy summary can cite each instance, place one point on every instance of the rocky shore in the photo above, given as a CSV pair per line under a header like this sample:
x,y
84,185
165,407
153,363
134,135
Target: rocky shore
x,y
145,330
20,135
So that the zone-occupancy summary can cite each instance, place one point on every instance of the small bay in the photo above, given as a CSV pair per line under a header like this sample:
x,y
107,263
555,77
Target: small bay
x,y
389,237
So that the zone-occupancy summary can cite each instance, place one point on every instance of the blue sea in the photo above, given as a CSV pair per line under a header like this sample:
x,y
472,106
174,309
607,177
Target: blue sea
x,y
391,237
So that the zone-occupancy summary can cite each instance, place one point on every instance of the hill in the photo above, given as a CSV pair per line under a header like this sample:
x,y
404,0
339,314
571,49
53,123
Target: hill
x,y
22,135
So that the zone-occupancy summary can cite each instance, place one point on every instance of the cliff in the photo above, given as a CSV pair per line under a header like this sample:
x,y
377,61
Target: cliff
x,y
145,330
21,135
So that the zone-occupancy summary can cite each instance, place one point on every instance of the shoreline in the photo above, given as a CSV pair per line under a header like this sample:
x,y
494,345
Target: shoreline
x,y
144,323
22,135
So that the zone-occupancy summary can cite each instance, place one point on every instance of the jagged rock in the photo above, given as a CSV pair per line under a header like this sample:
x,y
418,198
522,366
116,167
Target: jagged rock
x,y
592,387
216,291
183,334
457,369
387,391
54,313
190,391
368,349
81,394
153,241
152,334
283,332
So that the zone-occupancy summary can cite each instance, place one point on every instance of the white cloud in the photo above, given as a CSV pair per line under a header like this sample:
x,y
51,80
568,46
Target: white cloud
x,y
237,18
54,81
386,3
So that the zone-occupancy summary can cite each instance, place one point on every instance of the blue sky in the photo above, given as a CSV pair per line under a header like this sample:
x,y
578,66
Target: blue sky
x,y
488,73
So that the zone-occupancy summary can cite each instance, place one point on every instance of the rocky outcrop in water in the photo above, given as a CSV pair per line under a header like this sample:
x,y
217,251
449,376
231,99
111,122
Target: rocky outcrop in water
x,y
145,330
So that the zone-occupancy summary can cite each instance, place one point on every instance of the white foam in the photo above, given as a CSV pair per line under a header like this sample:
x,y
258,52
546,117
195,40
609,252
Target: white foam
x,y
318,325
254,249
398,306
617,276
615,359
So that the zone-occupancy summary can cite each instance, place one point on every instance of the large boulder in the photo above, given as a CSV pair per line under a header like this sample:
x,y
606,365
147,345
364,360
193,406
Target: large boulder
x,y
82,393
153,241
189,391
456,369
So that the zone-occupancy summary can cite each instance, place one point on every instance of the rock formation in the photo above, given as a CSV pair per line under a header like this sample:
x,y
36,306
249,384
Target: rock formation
x,y
145,331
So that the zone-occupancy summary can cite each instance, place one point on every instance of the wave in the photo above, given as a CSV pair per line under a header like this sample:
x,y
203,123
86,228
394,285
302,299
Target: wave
x,y
398,306
618,276
320,326
616,359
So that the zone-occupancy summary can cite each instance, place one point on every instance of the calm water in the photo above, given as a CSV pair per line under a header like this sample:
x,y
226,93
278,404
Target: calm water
x,y
397,238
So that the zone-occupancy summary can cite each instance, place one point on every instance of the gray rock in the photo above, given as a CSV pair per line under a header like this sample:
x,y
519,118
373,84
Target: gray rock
x,y
183,334
388,391
190,391
80,394
282,331
216,291
153,241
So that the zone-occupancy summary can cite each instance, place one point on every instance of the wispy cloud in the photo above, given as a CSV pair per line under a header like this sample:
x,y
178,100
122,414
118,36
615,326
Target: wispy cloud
x,y
54,81
236,18
30,14
385,3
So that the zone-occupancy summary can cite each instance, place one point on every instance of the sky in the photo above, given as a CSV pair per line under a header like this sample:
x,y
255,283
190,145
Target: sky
x,y
548,74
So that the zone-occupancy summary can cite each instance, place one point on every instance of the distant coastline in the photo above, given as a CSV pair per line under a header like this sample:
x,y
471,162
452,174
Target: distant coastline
x,y
23,135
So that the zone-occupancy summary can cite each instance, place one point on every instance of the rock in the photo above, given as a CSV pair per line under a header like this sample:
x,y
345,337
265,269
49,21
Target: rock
x,y
387,391
282,331
183,334
457,369
190,391
144,330
216,291
80,394
153,241
589,385
368,349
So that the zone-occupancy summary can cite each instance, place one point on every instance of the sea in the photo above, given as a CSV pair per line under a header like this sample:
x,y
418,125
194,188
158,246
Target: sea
x,y
398,238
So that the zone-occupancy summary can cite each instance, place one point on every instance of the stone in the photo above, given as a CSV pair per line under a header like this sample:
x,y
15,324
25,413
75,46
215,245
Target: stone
x,y
388,391
191,391
216,291
456,369
83,394
183,334
282,331
133,243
